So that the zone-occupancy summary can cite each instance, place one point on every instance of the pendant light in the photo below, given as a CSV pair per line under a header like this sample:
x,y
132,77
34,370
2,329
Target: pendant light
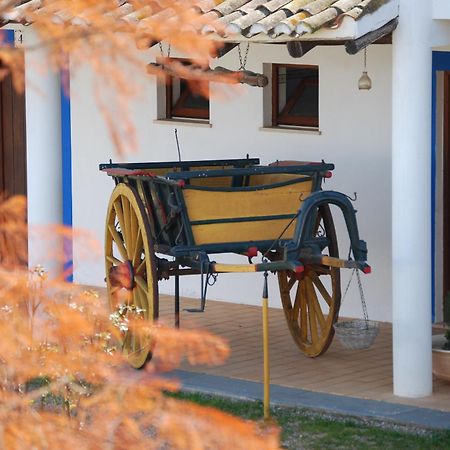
x,y
365,83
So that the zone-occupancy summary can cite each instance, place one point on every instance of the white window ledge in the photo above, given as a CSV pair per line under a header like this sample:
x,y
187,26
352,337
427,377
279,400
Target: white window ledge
x,y
292,130
184,122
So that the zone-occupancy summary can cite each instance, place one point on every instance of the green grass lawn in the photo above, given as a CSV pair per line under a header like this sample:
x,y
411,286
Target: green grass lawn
x,y
304,429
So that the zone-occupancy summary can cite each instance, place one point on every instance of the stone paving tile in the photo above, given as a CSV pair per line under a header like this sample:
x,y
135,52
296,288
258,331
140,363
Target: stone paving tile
x,y
365,374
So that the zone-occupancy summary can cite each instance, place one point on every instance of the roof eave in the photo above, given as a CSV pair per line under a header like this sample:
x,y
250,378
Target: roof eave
x,y
349,29
370,22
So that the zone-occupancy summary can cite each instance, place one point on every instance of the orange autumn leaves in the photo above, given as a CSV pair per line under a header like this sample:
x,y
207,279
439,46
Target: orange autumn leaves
x,y
64,381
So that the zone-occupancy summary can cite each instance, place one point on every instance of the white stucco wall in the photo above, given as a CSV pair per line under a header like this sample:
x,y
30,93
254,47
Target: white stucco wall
x,y
44,173
441,9
355,135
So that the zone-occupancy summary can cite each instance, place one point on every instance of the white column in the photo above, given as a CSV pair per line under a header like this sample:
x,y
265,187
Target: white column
x,y
411,201
43,124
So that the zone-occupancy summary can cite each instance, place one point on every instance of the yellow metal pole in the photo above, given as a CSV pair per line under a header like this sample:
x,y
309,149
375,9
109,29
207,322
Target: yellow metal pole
x,y
265,309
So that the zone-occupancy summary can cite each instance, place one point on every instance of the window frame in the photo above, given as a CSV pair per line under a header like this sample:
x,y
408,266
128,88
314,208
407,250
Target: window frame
x,y
178,110
283,118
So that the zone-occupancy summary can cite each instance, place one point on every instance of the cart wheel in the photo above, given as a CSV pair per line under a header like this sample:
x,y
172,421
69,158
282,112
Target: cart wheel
x,y
131,267
311,300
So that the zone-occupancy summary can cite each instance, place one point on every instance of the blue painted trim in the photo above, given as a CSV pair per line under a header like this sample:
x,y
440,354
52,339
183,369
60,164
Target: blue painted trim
x,y
441,61
433,193
66,146
7,37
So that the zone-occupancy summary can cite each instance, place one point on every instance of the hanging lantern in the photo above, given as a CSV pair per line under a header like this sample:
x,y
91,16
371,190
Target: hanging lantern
x,y
365,83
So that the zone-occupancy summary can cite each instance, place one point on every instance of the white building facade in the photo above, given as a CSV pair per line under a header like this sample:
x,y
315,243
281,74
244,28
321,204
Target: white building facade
x,y
387,144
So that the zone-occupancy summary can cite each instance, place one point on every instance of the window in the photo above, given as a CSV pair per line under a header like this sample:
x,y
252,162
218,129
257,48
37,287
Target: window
x,y
295,96
184,100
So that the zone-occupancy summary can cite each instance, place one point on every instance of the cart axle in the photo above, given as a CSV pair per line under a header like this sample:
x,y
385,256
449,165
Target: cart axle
x,y
295,266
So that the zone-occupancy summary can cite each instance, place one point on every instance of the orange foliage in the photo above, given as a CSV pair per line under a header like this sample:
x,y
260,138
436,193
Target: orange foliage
x,y
64,381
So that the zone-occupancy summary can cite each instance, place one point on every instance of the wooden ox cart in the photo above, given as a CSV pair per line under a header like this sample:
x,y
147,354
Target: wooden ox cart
x,y
167,219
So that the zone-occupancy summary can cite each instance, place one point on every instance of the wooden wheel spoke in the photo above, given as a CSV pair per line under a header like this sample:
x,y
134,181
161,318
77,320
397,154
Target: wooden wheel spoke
x,y
118,241
303,314
297,302
312,320
136,299
133,234
127,219
316,305
126,340
133,342
142,300
141,284
291,282
138,340
140,268
137,248
322,289
113,260
119,213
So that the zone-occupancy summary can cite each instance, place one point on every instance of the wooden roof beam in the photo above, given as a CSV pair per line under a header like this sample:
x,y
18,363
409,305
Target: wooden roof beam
x,y
297,49
355,46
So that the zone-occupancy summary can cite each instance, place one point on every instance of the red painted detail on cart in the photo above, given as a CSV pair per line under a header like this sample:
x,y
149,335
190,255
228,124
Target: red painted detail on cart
x,y
122,172
367,269
143,173
299,269
181,183
251,252
328,174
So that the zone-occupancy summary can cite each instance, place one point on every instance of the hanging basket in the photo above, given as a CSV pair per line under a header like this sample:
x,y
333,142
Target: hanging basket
x,y
357,334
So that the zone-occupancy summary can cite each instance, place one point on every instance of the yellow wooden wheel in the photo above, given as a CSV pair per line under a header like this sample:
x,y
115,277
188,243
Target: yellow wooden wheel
x,y
311,300
131,268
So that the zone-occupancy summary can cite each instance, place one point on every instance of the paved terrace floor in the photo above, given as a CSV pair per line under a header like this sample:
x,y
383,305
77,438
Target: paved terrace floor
x,y
365,374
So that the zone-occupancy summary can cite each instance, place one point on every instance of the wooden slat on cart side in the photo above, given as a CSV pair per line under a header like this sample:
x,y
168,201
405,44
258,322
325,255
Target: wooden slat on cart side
x,y
275,206
241,231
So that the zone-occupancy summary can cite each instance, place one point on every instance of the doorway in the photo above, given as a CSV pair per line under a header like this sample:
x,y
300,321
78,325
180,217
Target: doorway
x,y
13,164
446,197
13,167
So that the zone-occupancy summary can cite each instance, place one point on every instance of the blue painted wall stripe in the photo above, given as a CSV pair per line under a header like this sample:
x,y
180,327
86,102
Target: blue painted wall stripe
x,y
66,145
433,194
7,37
441,61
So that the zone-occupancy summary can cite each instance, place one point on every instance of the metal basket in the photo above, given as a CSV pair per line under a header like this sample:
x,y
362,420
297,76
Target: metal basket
x,y
357,334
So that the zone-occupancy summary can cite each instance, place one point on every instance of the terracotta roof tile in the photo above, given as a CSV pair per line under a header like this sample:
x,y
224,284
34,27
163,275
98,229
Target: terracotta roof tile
x,y
234,18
